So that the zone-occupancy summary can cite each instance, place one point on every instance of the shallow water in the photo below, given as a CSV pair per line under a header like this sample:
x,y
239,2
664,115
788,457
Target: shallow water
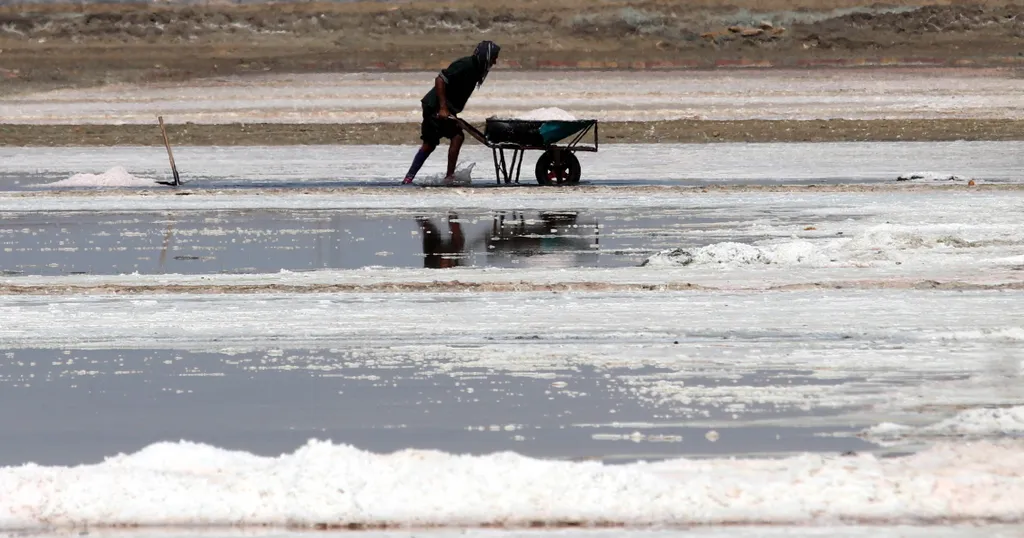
x,y
736,369
261,241
63,407
567,375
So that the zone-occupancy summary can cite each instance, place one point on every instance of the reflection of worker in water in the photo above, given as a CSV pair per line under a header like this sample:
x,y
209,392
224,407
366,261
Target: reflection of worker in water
x,y
438,253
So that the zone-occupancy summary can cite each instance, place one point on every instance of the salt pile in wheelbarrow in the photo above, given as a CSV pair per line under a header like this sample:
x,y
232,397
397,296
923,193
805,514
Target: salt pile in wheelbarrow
x,y
529,129
540,114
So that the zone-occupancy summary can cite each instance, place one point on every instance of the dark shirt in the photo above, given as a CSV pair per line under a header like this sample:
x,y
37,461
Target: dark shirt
x,y
460,79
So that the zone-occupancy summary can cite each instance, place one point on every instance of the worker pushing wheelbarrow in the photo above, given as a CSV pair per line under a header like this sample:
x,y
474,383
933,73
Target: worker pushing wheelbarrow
x,y
454,85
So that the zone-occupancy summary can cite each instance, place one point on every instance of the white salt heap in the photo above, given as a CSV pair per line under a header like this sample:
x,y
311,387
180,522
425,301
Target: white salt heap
x,y
181,484
117,176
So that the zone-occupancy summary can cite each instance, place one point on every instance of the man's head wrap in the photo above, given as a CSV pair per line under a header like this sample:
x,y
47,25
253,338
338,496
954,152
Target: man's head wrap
x,y
487,53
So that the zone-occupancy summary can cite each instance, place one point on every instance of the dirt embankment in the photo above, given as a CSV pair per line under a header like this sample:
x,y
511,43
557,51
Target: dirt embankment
x,y
55,45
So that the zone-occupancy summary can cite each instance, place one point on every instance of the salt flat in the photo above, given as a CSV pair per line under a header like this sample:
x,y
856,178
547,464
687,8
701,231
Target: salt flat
x,y
604,95
764,353
614,165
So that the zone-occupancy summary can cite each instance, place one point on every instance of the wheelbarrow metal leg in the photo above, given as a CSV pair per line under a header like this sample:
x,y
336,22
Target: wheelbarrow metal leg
x,y
501,166
504,167
519,168
497,171
511,166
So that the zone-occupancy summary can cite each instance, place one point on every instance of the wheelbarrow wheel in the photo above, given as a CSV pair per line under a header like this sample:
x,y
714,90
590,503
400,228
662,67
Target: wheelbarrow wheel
x,y
567,172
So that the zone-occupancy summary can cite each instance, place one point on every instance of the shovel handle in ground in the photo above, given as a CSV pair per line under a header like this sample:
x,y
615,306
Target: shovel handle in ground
x,y
170,155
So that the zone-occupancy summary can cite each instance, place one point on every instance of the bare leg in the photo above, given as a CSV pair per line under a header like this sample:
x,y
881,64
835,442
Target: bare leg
x,y
453,154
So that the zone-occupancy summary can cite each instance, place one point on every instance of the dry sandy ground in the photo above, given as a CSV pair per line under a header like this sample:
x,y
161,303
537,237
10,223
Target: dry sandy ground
x,y
75,43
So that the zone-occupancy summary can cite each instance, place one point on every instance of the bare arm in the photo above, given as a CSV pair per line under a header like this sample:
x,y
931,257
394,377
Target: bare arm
x,y
439,85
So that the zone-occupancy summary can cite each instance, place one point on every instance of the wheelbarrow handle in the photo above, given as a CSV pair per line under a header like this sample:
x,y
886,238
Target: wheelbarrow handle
x,y
473,131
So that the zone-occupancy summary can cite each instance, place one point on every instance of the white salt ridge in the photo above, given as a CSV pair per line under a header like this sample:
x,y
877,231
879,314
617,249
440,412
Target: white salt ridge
x,y
978,422
983,422
930,176
729,254
882,243
117,176
187,484
721,253
1013,334
463,178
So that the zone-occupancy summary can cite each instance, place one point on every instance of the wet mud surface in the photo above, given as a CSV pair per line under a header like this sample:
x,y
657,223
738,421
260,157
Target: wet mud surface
x,y
678,131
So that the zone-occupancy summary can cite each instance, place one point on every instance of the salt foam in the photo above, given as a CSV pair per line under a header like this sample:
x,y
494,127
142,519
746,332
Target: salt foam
x,y
463,178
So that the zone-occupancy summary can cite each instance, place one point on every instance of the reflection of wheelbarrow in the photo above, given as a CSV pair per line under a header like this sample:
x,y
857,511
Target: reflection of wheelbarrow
x,y
558,164
552,230
554,238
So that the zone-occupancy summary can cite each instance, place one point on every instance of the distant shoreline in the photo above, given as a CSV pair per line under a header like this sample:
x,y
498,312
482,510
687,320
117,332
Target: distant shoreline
x,y
72,45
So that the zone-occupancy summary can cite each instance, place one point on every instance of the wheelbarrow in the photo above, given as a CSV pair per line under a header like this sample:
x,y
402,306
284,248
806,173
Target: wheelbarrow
x,y
557,165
